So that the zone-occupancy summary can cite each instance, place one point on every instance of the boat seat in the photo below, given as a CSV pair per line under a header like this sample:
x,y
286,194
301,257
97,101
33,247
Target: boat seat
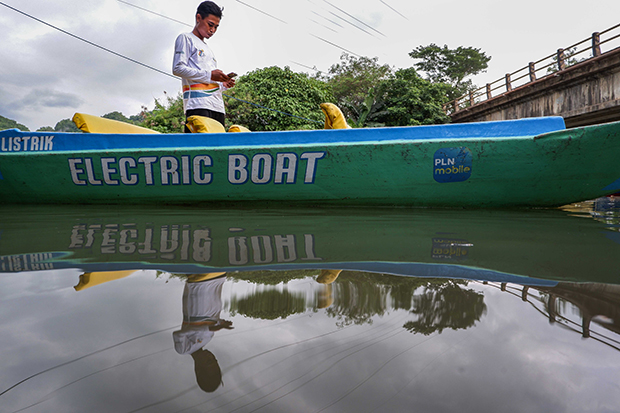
x,y
203,124
334,119
95,124
238,128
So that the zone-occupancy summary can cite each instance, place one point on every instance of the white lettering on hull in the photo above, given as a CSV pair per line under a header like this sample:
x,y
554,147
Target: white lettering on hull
x,y
261,169
174,242
27,144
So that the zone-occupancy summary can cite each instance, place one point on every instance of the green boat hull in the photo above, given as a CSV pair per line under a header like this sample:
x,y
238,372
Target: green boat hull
x,y
547,170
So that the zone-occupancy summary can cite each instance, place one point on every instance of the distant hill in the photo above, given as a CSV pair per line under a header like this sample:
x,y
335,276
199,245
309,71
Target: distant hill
x,y
67,125
6,123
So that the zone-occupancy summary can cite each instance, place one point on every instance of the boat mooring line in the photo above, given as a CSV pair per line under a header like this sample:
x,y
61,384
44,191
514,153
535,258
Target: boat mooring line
x,y
143,64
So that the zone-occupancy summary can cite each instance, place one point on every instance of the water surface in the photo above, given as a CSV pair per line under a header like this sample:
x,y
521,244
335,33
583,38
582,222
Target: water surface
x,y
312,310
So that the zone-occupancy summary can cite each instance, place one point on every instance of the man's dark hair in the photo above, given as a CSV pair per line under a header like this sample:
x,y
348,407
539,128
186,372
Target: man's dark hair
x,y
208,7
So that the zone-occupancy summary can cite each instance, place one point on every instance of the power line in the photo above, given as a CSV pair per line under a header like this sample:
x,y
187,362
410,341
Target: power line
x,y
353,17
335,45
157,14
88,41
321,24
84,356
352,24
143,64
260,11
394,10
329,20
307,67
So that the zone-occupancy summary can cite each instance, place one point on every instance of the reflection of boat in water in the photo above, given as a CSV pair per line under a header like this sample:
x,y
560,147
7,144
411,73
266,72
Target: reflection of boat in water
x,y
499,246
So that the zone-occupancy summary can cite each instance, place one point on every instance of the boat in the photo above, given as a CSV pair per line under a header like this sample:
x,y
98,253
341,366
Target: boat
x,y
532,162
527,247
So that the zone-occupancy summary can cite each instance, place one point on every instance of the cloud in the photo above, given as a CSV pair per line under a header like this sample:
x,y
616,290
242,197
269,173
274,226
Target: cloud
x,y
47,98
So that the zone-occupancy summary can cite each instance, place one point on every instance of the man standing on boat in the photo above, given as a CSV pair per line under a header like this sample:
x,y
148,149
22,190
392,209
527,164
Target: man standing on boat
x,y
195,64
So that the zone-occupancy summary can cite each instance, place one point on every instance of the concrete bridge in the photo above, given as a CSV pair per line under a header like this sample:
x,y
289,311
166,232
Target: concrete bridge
x,y
583,92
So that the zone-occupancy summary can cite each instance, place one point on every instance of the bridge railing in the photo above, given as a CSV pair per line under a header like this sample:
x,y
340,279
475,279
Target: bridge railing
x,y
556,62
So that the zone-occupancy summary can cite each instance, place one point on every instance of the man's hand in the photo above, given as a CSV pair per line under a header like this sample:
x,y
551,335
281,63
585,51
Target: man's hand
x,y
230,83
218,76
221,324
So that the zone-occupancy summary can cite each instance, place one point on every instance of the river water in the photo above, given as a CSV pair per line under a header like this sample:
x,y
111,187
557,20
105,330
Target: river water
x,y
186,309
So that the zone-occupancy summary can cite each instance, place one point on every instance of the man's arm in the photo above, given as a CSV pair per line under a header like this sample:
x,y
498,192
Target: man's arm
x,y
181,68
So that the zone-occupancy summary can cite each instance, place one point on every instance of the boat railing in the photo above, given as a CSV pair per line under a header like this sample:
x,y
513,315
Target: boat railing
x,y
564,58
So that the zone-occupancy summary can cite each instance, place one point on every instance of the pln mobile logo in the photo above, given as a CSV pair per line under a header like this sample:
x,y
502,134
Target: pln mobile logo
x,y
452,164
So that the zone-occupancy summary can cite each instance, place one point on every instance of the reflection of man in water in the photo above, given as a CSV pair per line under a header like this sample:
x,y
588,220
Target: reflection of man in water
x,y
327,277
202,304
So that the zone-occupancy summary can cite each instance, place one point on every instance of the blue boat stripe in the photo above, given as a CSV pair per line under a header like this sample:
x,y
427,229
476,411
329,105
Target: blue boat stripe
x,y
614,186
63,141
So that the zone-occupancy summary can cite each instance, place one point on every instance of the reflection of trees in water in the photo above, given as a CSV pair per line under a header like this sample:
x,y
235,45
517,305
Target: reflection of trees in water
x,y
269,277
360,296
441,303
446,306
269,304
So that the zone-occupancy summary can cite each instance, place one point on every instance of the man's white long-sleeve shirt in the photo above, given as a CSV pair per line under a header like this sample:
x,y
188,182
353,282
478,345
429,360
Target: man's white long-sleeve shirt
x,y
193,63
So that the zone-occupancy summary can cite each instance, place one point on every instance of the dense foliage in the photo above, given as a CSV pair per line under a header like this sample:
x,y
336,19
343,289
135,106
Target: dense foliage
x,y
167,117
66,125
451,66
135,119
371,94
352,81
6,123
407,99
283,90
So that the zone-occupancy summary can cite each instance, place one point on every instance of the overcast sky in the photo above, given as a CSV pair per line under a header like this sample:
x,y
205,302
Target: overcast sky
x,y
47,75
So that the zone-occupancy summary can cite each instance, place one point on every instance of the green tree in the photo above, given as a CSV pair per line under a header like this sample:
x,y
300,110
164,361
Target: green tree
x,y
117,116
446,306
272,277
367,113
451,66
269,304
6,123
569,60
137,119
406,100
66,125
45,129
353,81
279,89
167,117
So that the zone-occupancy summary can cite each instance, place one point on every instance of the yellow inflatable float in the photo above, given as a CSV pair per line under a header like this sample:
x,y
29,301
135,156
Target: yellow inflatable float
x,y
334,119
